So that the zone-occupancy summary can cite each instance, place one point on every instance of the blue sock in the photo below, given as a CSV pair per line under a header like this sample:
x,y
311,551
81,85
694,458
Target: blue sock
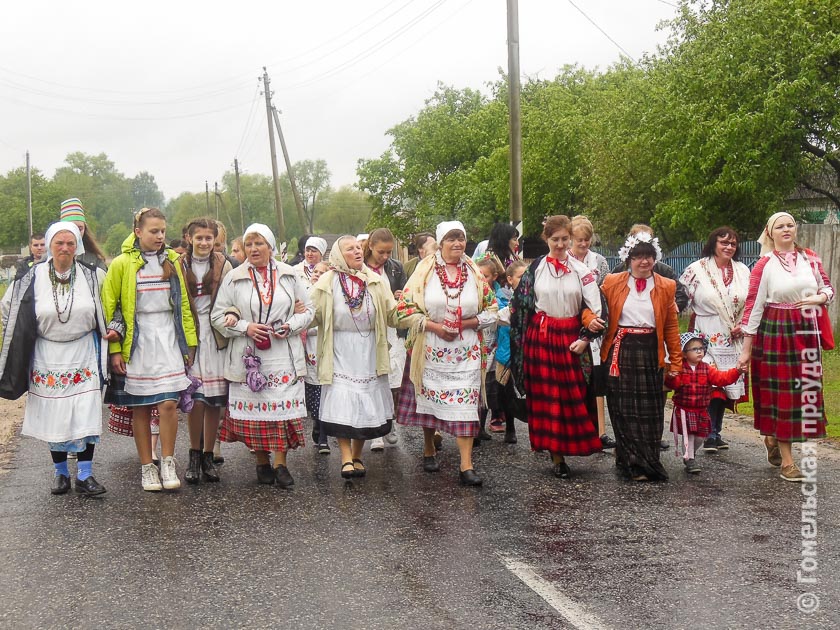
x,y
61,469
83,470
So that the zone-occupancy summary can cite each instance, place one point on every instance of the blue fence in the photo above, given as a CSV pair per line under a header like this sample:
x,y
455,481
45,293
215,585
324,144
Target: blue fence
x,y
681,257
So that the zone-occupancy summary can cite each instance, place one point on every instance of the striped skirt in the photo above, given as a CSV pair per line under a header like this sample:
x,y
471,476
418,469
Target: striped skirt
x,y
636,403
786,368
562,416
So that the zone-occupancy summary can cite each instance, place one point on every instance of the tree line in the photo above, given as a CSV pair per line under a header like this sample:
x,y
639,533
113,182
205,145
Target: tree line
x,y
739,108
110,198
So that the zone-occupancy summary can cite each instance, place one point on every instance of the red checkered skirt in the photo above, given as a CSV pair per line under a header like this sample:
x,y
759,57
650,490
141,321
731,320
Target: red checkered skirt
x,y
787,376
119,420
282,436
407,415
562,416
697,422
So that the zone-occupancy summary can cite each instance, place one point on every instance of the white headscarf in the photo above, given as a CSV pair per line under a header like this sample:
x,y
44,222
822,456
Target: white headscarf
x,y
765,240
446,227
318,243
64,226
263,230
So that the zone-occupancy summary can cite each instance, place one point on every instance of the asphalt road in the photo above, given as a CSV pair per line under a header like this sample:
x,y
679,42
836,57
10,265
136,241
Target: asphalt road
x,y
405,549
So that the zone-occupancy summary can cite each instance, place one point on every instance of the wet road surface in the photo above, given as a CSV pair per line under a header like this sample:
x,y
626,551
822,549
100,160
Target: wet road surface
x,y
405,549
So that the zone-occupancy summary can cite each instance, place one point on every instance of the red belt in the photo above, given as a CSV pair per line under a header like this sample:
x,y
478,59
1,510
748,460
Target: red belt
x,y
545,320
623,332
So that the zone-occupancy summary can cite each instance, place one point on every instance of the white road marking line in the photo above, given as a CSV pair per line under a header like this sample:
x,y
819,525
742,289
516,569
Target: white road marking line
x,y
573,612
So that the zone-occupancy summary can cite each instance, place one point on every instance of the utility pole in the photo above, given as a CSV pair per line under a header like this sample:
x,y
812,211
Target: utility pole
x,y
515,114
278,204
239,197
298,202
216,199
29,195
207,195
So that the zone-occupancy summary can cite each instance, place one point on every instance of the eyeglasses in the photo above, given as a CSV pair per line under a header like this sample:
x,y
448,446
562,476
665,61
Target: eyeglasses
x,y
732,244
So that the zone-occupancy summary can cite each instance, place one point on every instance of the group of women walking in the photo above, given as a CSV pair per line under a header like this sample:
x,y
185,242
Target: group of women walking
x,y
249,351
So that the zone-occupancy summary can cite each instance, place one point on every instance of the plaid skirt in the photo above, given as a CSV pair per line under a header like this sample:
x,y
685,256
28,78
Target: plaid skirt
x,y
263,436
408,416
119,421
786,368
562,416
636,402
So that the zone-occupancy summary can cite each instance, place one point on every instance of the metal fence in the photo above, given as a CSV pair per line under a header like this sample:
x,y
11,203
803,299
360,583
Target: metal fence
x,y
681,257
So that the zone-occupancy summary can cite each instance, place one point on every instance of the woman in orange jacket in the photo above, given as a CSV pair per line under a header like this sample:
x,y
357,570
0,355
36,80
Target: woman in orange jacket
x,y
642,325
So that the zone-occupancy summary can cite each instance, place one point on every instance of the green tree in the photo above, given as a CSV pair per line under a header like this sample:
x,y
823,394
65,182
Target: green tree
x,y
312,178
145,192
343,211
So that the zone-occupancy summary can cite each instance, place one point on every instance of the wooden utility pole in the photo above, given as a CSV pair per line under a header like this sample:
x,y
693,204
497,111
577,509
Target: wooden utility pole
x,y
298,202
207,195
239,197
515,114
29,195
278,204
216,199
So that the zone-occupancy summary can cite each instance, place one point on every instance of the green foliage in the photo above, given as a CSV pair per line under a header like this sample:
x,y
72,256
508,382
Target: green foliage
x,y
740,107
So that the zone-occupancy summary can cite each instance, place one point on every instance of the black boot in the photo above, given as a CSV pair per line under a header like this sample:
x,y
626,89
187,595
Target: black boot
x,y
209,472
194,467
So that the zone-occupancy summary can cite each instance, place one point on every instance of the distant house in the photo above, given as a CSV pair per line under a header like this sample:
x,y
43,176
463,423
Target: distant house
x,y
817,206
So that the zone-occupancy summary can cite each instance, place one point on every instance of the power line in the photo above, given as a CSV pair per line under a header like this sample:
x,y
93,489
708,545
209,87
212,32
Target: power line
x,y
371,49
250,117
603,32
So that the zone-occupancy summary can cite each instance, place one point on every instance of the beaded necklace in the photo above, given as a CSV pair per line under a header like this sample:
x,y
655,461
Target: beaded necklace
x,y
353,289
268,298
63,283
786,259
449,285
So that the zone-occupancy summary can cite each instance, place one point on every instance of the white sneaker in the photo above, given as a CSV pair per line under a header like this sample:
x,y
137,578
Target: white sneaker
x,y
377,445
150,478
391,438
168,474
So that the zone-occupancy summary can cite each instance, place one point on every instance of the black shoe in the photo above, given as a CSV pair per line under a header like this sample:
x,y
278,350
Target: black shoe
x,y
470,478
710,445
721,445
562,470
510,437
359,469
90,487
60,484
209,472
438,440
483,435
348,470
476,441
663,445
607,442
265,474
283,476
193,473
692,467
430,464
324,448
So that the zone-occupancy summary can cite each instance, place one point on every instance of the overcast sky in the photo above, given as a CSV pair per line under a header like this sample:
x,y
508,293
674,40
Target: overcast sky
x,y
172,87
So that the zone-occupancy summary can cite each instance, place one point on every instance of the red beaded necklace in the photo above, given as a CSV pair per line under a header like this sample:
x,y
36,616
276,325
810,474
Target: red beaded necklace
x,y
449,285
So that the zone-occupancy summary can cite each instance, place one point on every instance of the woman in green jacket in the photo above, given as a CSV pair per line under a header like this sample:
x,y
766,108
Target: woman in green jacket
x,y
147,364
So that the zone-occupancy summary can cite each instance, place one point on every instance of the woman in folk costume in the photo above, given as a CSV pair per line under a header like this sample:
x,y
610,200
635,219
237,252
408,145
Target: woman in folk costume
x,y
554,314
311,381
582,235
378,252
717,291
643,324
204,270
148,363
692,395
446,305
313,253
53,347
353,309
265,363
783,330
